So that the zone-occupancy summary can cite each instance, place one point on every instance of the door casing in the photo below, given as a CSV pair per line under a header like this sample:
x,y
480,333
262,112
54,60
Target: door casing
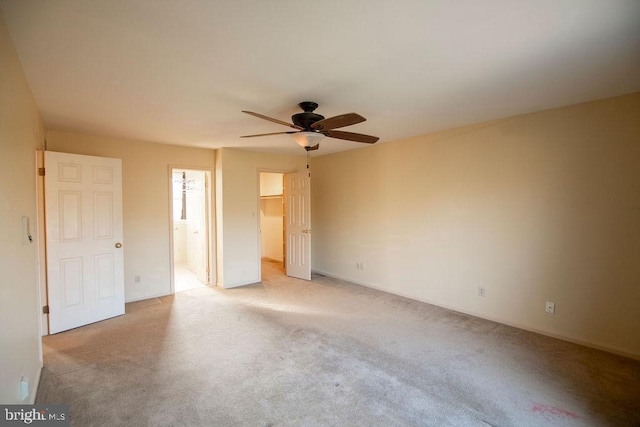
x,y
209,220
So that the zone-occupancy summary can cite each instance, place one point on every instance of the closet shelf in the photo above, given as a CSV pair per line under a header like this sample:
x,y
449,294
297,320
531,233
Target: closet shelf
x,y
274,196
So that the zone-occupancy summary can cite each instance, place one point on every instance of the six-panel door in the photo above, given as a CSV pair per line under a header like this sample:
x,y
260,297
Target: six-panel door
x,y
297,197
85,272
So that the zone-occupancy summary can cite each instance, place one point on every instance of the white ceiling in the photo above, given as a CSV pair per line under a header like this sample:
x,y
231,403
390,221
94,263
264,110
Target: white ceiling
x,y
180,72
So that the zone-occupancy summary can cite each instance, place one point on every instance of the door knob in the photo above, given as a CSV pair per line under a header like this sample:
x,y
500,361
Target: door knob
x,y
118,245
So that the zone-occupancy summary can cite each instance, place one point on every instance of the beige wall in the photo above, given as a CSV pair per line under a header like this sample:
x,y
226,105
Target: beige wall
x,y
270,184
20,134
541,207
238,208
145,174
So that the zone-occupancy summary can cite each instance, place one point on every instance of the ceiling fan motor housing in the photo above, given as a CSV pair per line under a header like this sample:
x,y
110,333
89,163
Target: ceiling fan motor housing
x,y
306,119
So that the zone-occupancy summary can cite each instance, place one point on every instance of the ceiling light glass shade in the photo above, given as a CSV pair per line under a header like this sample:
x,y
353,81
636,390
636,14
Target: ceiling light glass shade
x,y
307,139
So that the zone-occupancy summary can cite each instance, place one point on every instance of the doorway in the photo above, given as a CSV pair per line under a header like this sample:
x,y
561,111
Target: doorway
x,y
190,228
271,220
285,222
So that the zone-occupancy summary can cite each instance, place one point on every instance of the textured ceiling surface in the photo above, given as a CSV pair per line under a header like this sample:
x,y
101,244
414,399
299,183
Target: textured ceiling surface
x,y
180,72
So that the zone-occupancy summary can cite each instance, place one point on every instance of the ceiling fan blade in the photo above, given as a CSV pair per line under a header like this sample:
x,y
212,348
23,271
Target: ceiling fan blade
x,y
271,119
350,136
267,134
338,122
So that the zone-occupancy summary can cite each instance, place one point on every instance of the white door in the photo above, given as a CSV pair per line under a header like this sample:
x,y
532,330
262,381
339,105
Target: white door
x,y
85,269
297,196
197,232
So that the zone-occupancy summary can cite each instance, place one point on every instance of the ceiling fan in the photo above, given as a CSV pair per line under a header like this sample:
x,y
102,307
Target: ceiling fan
x,y
312,127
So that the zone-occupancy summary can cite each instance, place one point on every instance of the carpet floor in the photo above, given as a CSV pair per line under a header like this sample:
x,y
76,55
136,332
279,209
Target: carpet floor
x,y
326,352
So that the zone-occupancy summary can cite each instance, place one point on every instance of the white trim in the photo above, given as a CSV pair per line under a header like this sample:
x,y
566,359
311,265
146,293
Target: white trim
x,y
36,384
172,272
239,284
41,235
210,192
144,297
492,319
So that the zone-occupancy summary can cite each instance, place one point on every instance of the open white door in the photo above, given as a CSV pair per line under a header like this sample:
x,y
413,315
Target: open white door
x,y
297,196
197,232
85,268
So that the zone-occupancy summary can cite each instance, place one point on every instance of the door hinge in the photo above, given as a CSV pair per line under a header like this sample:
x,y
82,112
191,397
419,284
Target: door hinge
x,y
45,309
40,171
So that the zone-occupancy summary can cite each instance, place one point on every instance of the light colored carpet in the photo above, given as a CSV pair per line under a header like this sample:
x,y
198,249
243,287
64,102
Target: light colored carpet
x,y
326,352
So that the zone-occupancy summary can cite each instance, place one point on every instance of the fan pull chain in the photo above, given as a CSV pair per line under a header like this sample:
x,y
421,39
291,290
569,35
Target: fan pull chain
x,y
308,161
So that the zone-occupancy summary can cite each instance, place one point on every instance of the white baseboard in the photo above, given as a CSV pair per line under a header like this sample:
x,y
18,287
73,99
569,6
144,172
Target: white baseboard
x,y
237,285
142,298
36,385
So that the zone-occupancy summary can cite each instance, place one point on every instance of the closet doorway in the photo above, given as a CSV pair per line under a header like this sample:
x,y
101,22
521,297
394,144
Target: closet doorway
x,y
190,226
271,219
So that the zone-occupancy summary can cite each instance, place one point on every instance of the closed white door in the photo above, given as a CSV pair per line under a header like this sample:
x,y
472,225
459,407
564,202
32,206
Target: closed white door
x,y
297,196
85,268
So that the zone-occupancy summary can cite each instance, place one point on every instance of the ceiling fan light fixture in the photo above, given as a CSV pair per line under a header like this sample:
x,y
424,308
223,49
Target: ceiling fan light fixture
x,y
311,127
307,139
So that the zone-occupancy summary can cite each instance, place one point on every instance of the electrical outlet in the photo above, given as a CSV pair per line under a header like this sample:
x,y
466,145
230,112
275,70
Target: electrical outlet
x,y
550,307
137,279
24,388
480,291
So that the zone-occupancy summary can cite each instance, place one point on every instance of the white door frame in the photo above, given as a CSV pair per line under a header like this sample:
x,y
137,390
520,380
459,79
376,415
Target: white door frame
x,y
210,221
42,243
